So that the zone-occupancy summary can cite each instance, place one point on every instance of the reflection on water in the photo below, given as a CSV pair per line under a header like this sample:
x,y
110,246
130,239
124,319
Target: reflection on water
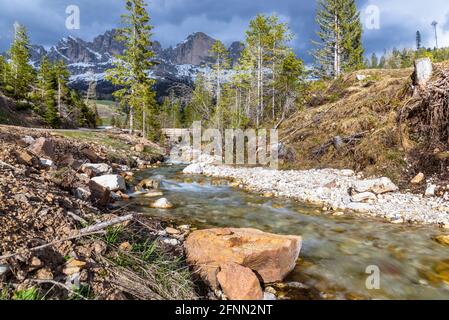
x,y
336,250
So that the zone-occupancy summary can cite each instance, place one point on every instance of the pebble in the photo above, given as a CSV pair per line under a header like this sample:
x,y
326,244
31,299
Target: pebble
x,y
171,242
4,268
44,274
162,203
267,296
172,231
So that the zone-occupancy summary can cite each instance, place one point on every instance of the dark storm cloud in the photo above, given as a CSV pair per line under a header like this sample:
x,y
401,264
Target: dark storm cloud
x,y
222,19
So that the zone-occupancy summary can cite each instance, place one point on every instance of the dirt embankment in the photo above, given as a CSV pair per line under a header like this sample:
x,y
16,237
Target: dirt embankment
x,y
10,115
58,240
377,122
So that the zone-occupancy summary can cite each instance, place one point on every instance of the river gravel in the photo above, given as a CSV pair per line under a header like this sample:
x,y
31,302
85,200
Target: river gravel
x,y
330,188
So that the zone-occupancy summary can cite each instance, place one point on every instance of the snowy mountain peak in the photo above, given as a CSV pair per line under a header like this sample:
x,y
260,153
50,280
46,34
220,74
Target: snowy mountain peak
x,y
88,60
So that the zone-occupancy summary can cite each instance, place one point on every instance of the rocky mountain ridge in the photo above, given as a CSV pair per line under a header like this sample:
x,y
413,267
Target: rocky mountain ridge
x,y
88,61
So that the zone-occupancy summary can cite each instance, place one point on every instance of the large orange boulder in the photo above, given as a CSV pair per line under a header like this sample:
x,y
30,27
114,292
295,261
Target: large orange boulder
x,y
272,257
239,283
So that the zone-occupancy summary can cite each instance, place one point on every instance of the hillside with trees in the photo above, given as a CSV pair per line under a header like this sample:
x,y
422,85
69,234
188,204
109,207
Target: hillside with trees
x,y
42,93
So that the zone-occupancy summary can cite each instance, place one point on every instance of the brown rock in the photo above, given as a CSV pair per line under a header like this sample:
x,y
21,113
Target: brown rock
x,y
69,161
73,266
100,247
148,184
27,158
239,283
418,179
272,256
35,263
126,246
99,194
91,155
44,274
172,231
122,195
139,147
43,147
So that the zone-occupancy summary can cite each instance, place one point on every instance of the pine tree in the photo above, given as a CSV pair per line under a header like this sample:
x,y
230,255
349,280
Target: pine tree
x,y
221,62
265,49
22,73
131,69
3,72
418,40
45,78
340,47
374,63
290,78
200,106
257,41
51,115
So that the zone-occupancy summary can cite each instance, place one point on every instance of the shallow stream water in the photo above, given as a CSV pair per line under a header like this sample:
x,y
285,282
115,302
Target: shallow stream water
x,y
336,250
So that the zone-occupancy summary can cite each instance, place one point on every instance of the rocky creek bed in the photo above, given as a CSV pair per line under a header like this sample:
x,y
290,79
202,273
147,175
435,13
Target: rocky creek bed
x,y
338,191
336,249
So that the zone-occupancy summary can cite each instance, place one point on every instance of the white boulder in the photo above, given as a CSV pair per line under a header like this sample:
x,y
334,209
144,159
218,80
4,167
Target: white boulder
x,y
112,181
431,189
376,186
98,168
47,163
82,193
28,140
196,168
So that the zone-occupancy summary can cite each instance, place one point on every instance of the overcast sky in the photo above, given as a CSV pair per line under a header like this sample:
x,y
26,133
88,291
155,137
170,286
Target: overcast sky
x,y
226,20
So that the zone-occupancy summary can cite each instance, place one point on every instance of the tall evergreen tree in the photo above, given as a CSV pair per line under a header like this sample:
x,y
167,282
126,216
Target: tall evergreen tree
x,y
45,77
256,54
22,72
374,63
265,49
418,40
340,46
3,72
200,106
221,62
290,78
279,35
131,69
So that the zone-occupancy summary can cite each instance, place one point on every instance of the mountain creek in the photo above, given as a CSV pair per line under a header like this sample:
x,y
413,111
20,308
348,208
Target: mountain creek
x,y
338,251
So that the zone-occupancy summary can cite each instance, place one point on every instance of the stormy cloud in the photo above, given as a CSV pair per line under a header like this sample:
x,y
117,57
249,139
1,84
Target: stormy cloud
x,y
226,20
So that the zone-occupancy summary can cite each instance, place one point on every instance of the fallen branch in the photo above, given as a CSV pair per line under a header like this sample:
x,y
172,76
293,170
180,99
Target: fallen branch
x,y
7,165
337,142
107,224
